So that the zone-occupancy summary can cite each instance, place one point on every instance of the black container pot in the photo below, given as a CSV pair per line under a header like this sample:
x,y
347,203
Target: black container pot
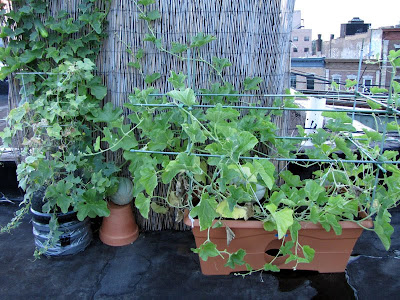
x,y
75,235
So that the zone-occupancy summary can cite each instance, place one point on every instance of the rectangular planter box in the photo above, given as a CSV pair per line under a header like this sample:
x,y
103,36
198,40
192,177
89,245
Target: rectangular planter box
x,y
332,252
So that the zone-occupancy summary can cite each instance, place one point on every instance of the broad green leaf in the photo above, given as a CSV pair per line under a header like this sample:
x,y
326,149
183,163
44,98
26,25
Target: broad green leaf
x,y
383,228
236,259
266,169
271,267
146,2
333,221
108,114
205,211
186,97
252,83
151,78
182,163
314,215
194,131
320,137
342,116
373,135
308,253
30,55
178,48
220,114
343,146
92,206
142,203
206,250
283,219
245,141
97,144
158,208
393,126
291,257
218,224
220,63
373,104
150,38
313,189
277,197
177,80
150,16
290,179
135,65
337,126
139,54
350,83
54,131
148,179
201,39
269,226
98,91
375,90
237,195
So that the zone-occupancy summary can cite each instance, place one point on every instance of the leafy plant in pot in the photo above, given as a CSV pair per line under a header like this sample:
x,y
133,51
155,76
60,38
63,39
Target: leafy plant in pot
x,y
213,160
58,152
51,55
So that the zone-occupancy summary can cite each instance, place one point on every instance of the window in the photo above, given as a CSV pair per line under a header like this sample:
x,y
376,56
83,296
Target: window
x,y
306,38
310,82
306,49
352,78
293,81
295,38
367,83
336,78
294,49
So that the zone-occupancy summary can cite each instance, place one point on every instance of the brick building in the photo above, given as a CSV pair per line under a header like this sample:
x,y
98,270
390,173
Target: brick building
x,y
390,41
338,70
306,73
301,38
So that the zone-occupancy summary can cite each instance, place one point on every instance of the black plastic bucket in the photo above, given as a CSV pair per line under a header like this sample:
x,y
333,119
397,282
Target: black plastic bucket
x,y
76,235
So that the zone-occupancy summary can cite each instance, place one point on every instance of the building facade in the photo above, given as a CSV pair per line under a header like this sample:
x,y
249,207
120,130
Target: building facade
x,y
301,38
390,42
308,74
338,60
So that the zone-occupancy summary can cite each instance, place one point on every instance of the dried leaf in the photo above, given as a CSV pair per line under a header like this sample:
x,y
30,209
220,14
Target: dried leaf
x,y
230,235
179,216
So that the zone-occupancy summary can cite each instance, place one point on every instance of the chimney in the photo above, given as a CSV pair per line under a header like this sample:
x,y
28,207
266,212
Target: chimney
x,y
319,43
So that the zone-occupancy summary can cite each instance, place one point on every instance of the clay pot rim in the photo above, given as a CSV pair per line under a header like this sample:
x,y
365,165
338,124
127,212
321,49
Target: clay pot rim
x,y
258,224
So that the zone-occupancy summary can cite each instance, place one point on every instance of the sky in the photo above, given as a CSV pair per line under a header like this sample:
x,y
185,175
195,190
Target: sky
x,y
325,17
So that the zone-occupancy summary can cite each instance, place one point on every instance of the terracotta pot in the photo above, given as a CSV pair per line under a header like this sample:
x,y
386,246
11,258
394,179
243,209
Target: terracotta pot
x,y
332,252
119,228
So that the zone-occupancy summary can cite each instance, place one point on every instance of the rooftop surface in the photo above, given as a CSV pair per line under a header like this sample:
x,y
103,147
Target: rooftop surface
x,y
160,265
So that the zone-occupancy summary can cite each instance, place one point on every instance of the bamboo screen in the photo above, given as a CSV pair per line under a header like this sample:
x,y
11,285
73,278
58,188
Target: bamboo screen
x,y
253,35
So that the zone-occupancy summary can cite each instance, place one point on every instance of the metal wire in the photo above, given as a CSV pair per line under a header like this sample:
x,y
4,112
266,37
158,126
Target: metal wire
x,y
274,159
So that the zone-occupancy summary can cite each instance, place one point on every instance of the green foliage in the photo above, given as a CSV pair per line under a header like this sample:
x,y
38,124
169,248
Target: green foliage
x,y
201,39
207,250
252,83
178,48
236,259
58,109
151,78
